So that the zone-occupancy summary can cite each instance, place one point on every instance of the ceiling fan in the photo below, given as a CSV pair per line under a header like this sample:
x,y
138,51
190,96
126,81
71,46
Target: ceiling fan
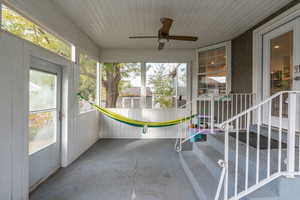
x,y
163,34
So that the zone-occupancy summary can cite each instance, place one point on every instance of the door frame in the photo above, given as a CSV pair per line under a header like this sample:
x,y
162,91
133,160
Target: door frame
x,y
281,30
67,102
57,71
258,36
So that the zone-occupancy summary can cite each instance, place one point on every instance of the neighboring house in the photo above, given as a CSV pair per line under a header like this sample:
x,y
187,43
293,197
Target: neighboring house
x,y
131,98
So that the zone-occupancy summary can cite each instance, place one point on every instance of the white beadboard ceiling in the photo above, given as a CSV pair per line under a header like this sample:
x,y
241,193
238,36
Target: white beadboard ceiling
x,y
110,22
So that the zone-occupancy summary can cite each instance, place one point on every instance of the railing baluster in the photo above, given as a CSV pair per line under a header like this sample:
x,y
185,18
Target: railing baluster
x,y
212,114
291,134
247,152
232,105
236,105
269,138
226,159
241,103
280,133
298,153
244,108
236,160
258,143
218,117
222,110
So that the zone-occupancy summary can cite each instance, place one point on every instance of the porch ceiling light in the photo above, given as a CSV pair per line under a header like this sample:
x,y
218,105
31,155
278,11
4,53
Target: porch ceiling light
x,y
276,46
163,40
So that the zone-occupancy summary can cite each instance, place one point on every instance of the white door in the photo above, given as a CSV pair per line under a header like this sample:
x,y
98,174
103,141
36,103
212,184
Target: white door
x,y
281,55
44,120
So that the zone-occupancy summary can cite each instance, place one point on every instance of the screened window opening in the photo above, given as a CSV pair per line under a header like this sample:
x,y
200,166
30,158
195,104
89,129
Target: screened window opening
x,y
121,85
143,85
18,25
167,83
88,81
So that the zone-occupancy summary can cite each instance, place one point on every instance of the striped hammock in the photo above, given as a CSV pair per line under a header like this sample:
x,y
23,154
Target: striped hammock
x,y
133,122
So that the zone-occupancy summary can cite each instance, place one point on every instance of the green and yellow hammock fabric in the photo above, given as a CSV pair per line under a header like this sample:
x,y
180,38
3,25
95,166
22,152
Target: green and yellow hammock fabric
x,y
133,122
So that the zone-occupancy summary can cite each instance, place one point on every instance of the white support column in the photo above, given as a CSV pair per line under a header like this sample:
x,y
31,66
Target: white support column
x,y
291,135
98,87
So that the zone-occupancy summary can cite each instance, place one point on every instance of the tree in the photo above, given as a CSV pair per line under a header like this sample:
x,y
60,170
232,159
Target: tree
x,y
20,26
88,77
163,83
112,76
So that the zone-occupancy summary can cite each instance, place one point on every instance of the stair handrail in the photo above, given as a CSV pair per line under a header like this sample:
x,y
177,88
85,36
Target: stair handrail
x,y
258,109
221,164
214,102
257,105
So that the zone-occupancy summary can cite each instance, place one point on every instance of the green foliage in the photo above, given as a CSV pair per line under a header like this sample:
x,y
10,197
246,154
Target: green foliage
x,y
162,82
21,27
113,76
88,77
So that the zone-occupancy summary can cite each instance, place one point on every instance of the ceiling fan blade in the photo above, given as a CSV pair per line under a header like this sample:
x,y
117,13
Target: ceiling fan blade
x,y
182,37
167,23
142,37
161,46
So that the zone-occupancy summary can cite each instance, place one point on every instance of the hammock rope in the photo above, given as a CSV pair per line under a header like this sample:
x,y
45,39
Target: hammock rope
x,y
133,122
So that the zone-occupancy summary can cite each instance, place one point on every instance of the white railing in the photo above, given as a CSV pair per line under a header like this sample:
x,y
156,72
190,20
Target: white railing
x,y
273,118
210,111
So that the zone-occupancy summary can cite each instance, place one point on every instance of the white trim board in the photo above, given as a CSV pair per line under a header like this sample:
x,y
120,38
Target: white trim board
x,y
258,35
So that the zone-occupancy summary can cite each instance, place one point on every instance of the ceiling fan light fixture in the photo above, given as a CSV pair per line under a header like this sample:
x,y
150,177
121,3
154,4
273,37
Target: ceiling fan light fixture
x,y
163,40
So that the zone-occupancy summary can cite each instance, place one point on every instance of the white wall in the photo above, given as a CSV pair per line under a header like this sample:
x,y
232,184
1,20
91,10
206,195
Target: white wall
x,y
87,126
79,131
51,17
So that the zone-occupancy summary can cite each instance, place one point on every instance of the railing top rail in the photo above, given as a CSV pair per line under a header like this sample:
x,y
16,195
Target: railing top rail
x,y
211,95
222,95
258,105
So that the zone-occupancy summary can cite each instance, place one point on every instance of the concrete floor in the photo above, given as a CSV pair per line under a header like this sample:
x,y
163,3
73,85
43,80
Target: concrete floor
x,y
121,170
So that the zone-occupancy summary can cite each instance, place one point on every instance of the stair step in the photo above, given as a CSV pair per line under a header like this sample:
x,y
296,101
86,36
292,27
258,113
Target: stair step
x,y
187,146
203,182
262,194
208,155
217,141
274,132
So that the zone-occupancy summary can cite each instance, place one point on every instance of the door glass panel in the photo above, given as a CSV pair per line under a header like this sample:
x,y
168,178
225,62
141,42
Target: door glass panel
x,y
212,71
281,69
42,90
43,110
42,130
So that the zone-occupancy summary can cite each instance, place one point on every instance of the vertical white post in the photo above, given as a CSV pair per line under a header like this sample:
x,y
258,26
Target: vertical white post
x,y
280,133
212,114
236,173
226,158
247,151
258,144
291,135
98,87
269,139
